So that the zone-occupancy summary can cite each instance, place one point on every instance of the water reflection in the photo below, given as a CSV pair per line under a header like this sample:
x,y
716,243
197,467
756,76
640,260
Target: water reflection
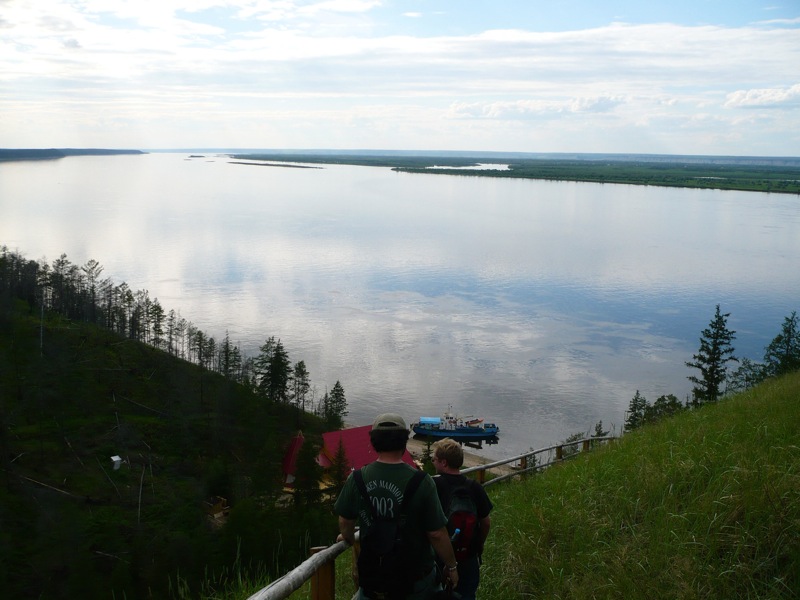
x,y
542,306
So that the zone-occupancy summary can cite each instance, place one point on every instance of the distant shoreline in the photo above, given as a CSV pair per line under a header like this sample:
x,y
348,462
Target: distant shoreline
x,y
749,174
11,154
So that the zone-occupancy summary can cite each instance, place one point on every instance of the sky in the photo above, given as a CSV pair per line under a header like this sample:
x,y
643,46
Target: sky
x,y
718,77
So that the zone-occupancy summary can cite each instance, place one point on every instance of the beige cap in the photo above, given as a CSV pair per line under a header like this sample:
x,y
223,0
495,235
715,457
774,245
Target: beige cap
x,y
389,422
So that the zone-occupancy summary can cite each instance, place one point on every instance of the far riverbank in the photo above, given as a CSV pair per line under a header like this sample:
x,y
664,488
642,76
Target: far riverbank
x,y
746,173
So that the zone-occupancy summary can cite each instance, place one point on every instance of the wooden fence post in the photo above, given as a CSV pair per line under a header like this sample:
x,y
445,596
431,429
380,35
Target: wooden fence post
x,y
559,452
585,445
323,582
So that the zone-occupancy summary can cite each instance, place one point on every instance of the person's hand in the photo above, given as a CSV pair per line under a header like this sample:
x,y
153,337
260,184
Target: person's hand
x,y
451,576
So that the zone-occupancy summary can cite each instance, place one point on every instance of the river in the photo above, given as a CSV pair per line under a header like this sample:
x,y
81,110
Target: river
x,y
542,306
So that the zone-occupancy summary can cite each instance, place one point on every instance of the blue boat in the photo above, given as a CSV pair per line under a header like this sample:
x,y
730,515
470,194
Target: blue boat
x,y
461,429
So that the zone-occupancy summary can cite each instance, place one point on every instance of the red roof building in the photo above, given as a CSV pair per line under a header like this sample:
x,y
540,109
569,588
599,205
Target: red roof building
x,y
356,444
357,448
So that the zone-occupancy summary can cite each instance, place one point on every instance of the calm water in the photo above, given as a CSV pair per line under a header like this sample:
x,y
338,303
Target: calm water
x,y
542,306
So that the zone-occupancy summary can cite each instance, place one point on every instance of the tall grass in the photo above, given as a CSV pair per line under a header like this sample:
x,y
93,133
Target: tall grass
x,y
703,505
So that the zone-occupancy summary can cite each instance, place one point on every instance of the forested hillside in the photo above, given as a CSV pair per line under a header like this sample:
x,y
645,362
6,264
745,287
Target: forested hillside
x,y
74,394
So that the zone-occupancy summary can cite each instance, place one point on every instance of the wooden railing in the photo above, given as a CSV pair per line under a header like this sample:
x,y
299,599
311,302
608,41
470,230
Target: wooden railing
x,y
320,567
555,455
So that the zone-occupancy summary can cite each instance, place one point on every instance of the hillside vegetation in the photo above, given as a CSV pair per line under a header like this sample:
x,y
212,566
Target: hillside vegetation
x,y
702,505
74,395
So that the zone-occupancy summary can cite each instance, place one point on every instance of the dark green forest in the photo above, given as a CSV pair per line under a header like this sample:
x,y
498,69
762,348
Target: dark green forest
x,y
90,370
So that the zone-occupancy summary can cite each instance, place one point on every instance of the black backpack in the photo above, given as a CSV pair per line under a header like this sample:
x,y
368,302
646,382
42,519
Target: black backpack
x,y
462,522
384,563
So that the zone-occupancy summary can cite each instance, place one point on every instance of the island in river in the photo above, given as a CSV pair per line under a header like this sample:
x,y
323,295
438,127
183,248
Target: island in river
x,y
745,173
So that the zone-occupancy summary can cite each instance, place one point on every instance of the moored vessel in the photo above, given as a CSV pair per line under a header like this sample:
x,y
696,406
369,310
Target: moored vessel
x,y
461,429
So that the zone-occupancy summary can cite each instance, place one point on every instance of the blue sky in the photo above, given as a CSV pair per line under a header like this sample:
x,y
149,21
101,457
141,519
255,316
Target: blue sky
x,y
678,77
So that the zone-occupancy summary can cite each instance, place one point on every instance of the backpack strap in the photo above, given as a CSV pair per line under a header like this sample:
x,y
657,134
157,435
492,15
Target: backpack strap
x,y
446,489
411,487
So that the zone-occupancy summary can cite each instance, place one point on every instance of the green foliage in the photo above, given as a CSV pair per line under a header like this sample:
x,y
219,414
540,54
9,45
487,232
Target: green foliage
x,y
664,406
308,474
427,457
781,356
660,171
701,505
274,371
334,407
711,360
73,394
783,353
599,431
747,374
637,409
640,411
301,384
340,468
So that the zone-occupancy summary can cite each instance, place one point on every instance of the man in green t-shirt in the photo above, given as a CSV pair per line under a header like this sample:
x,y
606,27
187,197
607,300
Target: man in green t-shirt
x,y
385,481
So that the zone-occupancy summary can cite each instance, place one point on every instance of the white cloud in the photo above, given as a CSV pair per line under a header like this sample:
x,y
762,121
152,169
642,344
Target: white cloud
x,y
765,98
522,109
338,60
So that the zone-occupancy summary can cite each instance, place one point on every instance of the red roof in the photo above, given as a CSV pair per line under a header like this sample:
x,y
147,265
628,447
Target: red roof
x,y
357,447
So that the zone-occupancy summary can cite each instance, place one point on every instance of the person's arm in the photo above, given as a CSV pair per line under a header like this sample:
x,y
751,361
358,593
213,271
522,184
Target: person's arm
x,y
347,530
440,540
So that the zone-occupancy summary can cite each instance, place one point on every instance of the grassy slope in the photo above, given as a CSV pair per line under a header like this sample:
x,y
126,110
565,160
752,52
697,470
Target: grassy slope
x,y
704,505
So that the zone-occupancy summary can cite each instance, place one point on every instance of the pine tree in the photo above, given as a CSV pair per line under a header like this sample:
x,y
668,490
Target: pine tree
x,y
336,407
300,385
273,370
637,409
748,374
340,467
665,406
711,360
307,475
783,353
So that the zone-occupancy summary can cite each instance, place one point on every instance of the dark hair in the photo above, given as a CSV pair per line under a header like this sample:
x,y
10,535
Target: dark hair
x,y
388,441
